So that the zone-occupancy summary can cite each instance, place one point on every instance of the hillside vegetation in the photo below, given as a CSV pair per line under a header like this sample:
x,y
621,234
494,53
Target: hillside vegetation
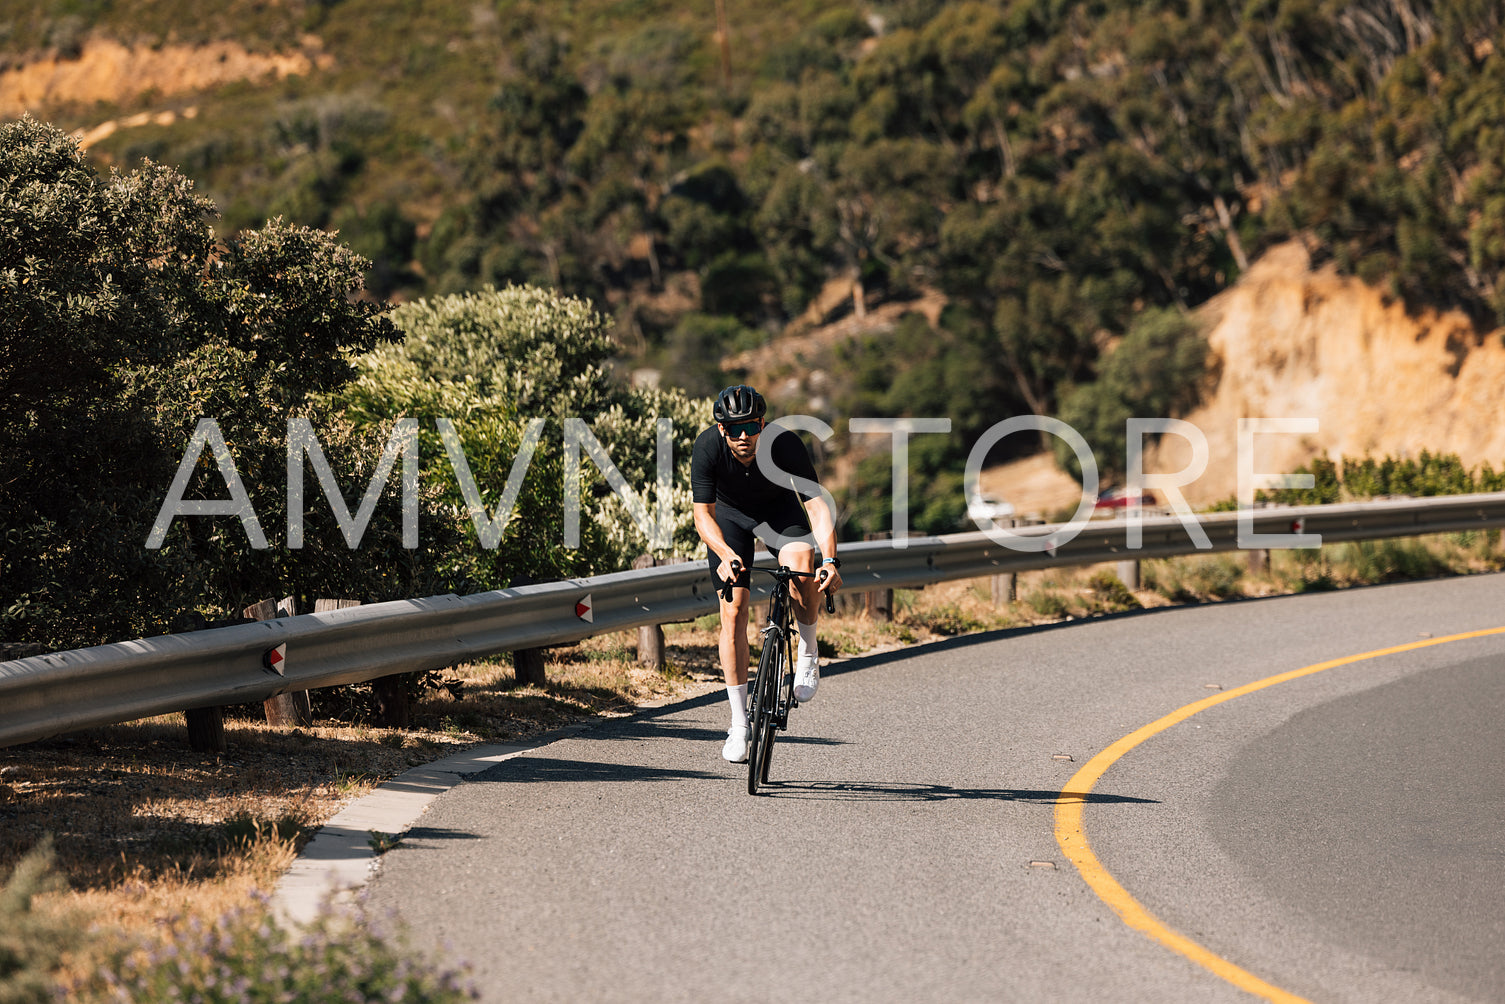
x,y
1064,176
132,343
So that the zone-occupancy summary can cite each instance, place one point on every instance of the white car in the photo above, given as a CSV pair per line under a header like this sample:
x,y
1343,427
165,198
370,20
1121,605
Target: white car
x,y
982,508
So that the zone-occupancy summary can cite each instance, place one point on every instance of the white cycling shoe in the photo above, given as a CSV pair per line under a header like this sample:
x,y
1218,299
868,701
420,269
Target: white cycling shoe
x,y
735,750
806,678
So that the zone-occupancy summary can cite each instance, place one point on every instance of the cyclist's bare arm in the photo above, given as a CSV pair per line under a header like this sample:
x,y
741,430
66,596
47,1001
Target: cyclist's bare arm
x,y
823,527
710,533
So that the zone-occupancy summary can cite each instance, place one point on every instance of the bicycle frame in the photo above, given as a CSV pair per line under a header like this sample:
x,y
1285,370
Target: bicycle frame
x,y
771,690
779,632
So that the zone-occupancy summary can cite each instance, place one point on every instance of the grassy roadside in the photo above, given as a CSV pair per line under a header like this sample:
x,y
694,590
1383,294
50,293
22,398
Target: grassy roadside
x,y
149,836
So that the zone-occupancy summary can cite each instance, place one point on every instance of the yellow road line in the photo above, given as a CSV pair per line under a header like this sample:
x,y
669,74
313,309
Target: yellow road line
x,y
1073,838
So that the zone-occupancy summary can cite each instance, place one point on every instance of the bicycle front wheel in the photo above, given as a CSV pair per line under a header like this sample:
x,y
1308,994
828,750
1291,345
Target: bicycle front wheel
x,y
762,716
783,700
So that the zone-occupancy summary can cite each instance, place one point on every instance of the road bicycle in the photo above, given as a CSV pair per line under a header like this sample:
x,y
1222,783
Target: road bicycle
x,y
771,694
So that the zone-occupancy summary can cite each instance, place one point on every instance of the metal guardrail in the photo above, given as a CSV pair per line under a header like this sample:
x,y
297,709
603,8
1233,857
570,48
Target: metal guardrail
x,y
64,691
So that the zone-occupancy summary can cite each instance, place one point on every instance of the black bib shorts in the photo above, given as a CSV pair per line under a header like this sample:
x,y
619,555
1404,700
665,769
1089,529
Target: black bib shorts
x,y
745,498
740,531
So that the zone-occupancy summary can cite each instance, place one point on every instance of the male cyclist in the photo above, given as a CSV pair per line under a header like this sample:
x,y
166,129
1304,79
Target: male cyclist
x,y
734,494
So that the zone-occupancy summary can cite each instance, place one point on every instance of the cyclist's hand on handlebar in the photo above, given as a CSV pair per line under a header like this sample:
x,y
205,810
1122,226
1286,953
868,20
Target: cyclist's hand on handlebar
x,y
828,580
729,572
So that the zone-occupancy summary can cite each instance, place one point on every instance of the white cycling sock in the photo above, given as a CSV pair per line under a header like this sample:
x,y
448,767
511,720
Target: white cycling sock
x,y
737,698
808,646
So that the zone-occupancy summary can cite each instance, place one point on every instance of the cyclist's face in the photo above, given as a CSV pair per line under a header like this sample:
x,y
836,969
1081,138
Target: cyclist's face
x,y
742,436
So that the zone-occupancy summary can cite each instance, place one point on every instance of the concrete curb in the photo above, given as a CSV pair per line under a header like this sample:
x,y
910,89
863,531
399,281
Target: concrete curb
x,y
338,862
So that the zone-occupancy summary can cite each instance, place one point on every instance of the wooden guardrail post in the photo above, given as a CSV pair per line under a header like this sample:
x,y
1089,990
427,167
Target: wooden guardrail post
x,y
527,663
652,650
1005,588
527,666
650,636
1005,585
392,708
879,603
206,729
293,708
206,726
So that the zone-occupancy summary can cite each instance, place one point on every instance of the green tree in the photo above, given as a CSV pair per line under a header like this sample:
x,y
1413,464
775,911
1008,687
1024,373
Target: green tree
x,y
1377,125
494,361
917,371
1156,371
121,324
514,166
693,351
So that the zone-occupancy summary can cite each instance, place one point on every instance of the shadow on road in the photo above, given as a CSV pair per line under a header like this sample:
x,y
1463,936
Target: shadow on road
x,y
422,837
527,769
900,791
666,728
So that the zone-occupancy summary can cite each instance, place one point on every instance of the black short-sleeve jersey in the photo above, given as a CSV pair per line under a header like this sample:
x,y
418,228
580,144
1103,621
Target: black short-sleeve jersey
x,y
716,475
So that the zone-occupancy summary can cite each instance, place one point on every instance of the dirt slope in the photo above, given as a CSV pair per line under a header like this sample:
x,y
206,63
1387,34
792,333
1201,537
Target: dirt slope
x,y
106,70
1298,343
1292,342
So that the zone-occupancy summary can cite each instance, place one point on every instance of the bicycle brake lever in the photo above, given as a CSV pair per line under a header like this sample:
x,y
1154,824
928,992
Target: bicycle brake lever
x,y
830,604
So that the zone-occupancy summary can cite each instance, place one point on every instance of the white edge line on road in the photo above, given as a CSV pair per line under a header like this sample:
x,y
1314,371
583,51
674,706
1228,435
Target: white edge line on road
x,y
338,862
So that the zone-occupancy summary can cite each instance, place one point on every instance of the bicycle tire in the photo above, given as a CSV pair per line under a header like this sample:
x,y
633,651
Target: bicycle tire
x,y
761,716
778,711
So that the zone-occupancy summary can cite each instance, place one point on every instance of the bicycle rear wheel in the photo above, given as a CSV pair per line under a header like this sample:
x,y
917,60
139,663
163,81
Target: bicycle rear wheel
x,y
761,717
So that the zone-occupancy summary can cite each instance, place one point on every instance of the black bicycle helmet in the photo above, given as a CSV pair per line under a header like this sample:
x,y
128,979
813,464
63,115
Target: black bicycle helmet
x,y
739,404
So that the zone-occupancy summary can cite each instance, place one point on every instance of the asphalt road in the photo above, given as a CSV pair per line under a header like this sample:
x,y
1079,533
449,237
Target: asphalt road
x,y
1337,835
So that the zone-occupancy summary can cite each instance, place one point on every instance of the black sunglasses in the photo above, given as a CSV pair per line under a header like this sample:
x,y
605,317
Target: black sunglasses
x,y
740,429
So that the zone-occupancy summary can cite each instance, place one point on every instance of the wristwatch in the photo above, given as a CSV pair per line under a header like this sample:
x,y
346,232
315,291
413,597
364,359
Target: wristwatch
x,y
832,561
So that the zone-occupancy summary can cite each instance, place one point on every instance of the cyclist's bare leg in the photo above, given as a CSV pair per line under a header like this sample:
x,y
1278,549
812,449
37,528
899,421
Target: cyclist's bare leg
x,y
801,558
733,650
732,643
806,602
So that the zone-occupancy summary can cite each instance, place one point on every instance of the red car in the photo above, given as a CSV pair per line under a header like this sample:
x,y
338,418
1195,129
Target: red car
x,y
1121,498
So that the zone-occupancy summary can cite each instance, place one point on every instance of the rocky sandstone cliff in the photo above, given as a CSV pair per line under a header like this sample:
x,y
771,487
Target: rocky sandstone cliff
x,y
1292,342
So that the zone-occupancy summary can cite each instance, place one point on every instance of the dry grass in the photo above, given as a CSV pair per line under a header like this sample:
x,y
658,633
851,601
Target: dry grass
x,y
148,832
